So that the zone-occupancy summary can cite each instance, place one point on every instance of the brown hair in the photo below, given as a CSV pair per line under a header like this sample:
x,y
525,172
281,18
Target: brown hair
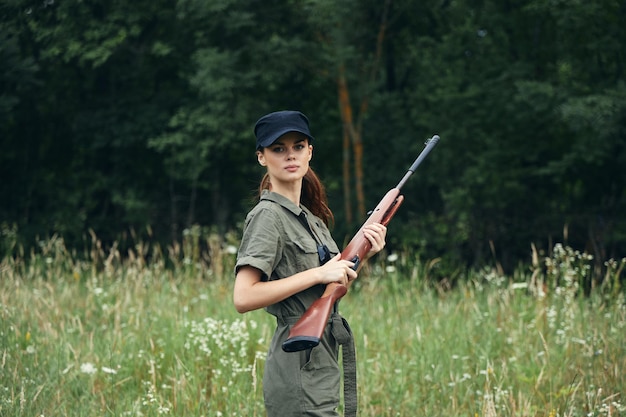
x,y
313,195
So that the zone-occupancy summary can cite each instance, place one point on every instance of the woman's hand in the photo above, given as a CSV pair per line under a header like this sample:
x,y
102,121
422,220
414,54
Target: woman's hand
x,y
337,270
375,233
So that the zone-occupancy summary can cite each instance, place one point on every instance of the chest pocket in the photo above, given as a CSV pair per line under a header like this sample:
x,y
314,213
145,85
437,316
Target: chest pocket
x,y
305,252
323,234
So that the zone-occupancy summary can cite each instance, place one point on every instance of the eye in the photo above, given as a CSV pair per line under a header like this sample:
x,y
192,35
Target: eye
x,y
277,149
299,146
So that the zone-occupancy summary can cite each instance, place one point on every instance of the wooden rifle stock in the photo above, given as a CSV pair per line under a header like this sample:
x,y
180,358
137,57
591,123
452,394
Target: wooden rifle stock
x,y
308,330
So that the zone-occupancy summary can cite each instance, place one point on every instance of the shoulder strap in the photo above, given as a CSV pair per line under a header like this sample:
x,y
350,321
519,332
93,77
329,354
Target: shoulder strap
x,y
343,334
322,250
305,222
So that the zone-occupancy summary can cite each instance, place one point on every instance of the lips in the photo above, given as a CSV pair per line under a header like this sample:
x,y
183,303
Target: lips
x,y
291,168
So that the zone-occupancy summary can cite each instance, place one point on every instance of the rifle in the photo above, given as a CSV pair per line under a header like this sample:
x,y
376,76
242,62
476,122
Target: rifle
x,y
308,330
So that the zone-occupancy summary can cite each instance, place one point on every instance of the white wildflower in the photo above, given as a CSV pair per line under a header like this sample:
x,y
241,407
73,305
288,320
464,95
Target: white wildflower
x,y
392,258
88,368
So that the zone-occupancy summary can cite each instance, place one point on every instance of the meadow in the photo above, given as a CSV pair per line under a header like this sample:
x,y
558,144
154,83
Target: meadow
x,y
152,332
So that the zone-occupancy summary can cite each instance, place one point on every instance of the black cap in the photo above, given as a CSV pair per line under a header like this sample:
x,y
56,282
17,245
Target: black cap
x,y
272,126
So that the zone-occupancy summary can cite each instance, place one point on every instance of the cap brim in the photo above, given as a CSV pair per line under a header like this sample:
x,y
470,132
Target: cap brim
x,y
268,141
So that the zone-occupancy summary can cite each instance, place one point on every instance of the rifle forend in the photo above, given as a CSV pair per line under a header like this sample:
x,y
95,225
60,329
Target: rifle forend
x,y
308,330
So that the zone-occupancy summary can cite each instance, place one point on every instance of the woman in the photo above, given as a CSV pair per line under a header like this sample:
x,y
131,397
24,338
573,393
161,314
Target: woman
x,y
286,257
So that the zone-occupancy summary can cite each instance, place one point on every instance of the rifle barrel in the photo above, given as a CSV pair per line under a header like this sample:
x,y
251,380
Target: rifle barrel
x,y
308,330
430,144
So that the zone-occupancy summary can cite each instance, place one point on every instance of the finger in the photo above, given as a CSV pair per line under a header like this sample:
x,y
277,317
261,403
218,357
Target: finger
x,y
377,232
377,226
347,263
352,274
374,238
377,243
332,261
380,231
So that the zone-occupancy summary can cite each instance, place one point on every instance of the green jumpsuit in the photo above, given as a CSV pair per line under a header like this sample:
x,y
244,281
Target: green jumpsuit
x,y
306,383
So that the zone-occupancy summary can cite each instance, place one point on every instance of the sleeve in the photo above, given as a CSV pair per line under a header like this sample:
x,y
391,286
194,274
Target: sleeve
x,y
260,243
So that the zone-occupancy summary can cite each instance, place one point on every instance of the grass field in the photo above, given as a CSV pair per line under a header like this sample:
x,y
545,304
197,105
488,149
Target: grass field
x,y
106,336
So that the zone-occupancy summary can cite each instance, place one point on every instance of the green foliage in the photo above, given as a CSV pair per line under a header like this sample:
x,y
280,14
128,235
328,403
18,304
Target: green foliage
x,y
17,72
115,116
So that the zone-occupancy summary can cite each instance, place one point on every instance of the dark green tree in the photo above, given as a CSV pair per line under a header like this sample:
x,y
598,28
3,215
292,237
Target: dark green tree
x,y
117,115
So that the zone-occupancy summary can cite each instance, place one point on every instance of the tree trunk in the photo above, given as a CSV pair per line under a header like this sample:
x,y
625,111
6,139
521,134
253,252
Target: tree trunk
x,y
351,136
352,130
347,195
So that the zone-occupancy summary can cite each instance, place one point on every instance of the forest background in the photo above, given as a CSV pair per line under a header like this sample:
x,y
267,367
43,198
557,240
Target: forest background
x,y
135,118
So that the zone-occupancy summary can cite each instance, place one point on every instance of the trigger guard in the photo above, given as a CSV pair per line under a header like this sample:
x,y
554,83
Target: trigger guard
x,y
356,262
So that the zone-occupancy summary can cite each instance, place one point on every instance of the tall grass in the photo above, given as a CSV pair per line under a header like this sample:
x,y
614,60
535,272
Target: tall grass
x,y
493,347
153,332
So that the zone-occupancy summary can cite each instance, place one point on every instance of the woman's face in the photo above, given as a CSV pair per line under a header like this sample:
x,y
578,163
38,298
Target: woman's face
x,y
287,159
